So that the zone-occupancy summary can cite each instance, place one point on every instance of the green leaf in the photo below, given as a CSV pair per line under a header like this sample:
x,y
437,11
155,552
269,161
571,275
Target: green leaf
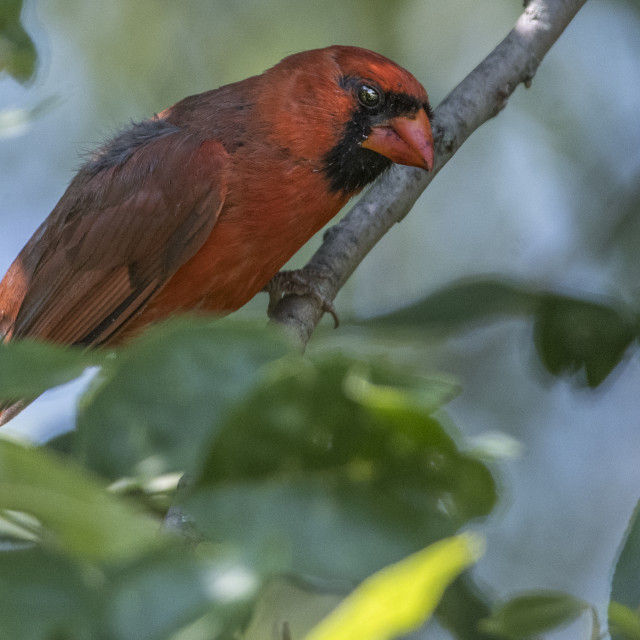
x,y
157,404
304,477
570,334
80,516
462,607
147,597
156,596
625,587
401,597
103,564
461,303
17,51
395,391
624,623
28,368
43,596
533,613
573,334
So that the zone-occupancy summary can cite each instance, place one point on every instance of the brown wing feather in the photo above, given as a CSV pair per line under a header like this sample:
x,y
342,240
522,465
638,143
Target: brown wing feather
x,y
122,228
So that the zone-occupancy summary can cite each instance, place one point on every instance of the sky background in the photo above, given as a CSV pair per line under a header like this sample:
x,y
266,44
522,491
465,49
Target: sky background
x,y
548,193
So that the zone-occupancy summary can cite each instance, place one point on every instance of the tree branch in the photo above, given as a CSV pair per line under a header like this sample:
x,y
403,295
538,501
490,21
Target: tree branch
x,y
479,97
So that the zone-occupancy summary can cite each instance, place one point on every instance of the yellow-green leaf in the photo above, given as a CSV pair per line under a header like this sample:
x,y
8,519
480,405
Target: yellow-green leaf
x,y
400,597
623,621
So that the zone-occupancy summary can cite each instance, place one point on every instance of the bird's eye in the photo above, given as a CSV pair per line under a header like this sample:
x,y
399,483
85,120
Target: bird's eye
x,y
368,96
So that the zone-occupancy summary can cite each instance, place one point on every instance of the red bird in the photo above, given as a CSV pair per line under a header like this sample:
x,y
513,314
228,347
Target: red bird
x,y
200,206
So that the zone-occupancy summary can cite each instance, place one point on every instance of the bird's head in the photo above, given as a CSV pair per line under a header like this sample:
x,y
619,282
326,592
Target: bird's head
x,y
350,111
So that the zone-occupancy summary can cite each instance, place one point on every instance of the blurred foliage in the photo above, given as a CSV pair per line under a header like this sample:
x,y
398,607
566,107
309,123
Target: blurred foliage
x,y
16,121
322,466
206,371
83,519
534,613
624,623
333,466
17,52
571,335
624,610
30,367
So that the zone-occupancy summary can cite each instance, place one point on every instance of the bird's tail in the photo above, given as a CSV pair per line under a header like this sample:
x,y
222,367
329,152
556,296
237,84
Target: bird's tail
x,y
9,410
11,295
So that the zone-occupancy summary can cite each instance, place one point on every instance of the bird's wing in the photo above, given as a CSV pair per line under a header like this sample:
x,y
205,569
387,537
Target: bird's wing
x,y
127,222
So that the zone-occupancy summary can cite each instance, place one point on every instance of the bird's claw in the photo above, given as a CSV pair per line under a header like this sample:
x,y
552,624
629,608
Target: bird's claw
x,y
300,282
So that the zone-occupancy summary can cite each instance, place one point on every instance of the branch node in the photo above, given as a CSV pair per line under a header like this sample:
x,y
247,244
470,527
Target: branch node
x,y
444,137
502,97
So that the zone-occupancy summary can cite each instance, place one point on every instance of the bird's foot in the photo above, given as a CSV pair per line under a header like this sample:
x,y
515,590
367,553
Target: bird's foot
x,y
300,282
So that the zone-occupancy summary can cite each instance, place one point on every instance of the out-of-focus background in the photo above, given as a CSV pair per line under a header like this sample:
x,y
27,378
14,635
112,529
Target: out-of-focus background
x,y
548,193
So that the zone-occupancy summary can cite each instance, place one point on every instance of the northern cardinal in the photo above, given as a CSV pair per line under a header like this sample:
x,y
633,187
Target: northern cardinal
x,y
200,206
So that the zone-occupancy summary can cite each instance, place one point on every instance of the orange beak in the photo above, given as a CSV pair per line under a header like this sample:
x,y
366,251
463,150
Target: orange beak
x,y
404,140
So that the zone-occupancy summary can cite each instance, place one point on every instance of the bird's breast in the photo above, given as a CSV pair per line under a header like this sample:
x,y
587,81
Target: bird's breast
x,y
266,218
